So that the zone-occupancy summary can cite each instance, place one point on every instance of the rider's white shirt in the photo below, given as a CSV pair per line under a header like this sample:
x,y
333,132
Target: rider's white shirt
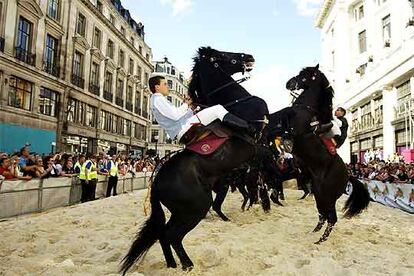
x,y
172,119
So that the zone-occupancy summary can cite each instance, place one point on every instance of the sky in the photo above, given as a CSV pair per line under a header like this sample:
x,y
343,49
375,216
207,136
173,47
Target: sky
x,y
280,34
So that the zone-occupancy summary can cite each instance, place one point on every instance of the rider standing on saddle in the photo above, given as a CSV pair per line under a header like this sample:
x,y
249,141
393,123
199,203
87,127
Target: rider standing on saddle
x,y
177,121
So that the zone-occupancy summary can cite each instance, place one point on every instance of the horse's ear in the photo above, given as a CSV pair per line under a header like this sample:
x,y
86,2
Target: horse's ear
x,y
317,66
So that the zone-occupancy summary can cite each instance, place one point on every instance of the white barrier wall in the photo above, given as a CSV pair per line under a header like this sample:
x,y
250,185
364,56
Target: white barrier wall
x,y
23,197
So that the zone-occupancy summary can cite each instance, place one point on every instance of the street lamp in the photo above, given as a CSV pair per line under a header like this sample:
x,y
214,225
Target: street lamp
x,y
156,137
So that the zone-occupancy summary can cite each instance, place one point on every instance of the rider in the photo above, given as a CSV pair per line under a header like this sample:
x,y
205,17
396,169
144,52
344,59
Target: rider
x,y
337,130
177,121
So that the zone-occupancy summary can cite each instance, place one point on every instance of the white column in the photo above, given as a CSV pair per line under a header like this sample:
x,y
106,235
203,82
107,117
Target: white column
x,y
389,102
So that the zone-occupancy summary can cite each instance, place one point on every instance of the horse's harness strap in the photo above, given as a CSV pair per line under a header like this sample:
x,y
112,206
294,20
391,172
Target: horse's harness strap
x,y
238,101
228,84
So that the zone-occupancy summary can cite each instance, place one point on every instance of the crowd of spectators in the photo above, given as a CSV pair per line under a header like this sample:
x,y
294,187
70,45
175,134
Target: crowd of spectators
x,y
394,170
26,165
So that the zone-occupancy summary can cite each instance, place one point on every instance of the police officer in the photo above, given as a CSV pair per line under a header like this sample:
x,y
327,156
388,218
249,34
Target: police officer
x,y
91,176
113,175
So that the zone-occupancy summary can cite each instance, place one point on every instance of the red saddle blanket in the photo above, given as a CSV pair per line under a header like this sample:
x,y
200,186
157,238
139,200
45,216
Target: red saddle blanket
x,y
329,145
207,145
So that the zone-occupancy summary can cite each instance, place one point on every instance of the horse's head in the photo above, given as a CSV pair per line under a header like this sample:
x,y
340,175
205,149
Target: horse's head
x,y
229,62
311,88
309,77
212,69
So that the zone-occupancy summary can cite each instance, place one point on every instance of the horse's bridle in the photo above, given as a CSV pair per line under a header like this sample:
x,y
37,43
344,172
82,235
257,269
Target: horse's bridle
x,y
216,65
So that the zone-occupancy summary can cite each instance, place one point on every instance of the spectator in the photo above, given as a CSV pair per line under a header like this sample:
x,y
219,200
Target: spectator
x,y
25,163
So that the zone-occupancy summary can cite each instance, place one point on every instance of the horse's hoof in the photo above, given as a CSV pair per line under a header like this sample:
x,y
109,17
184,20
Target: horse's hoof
x,y
188,268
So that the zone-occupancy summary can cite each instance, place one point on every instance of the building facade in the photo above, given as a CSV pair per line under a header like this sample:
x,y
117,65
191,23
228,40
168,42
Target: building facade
x,y
160,142
73,75
367,52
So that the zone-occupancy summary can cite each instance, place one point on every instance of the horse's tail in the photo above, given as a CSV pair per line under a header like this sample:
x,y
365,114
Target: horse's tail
x,y
358,200
147,236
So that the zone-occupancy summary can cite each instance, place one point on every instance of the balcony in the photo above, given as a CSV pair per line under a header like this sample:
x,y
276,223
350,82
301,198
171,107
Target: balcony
x,y
137,109
78,81
366,123
94,89
108,96
119,101
25,56
145,114
2,44
51,68
403,108
129,106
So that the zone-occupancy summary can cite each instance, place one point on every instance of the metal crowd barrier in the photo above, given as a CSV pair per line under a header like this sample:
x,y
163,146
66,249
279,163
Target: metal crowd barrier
x,y
20,197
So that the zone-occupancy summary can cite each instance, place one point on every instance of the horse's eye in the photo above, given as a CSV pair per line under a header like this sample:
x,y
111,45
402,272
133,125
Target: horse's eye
x,y
233,61
304,79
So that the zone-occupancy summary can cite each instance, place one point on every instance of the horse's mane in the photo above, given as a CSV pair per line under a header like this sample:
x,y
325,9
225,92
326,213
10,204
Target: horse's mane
x,y
325,106
193,85
325,95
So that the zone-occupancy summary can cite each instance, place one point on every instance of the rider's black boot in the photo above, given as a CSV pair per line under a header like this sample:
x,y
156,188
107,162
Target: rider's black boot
x,y
323,128
237,123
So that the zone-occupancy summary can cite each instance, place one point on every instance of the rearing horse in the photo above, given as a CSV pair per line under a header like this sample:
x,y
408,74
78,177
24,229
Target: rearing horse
x,y
329,173
184,183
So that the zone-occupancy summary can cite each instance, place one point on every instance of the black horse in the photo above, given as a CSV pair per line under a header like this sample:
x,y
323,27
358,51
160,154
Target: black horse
x,y
329,173
184,184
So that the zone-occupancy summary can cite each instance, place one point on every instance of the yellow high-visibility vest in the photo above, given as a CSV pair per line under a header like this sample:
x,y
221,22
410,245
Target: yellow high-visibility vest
x,y
82,175
114,168
92,173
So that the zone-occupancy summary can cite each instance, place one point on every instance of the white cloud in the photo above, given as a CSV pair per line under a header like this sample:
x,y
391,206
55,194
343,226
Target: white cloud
x,y
308,7
269,84
179,6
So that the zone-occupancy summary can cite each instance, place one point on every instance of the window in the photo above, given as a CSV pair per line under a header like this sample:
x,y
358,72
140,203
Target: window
x,y
121,61
170,84
359,12
127,127
386,30
48,102
77,64
168,70
159,68
20,93
137,109
108,82
24,42
123,30
71,110
90,116
132,41
131,66
77,70
154,136
99,6
112,19
81,25
145,107
403,90
128,104
140,49
169,98
94,79
110,49
51,54
173,71
53,9
362,38
139,73
120,87
97,38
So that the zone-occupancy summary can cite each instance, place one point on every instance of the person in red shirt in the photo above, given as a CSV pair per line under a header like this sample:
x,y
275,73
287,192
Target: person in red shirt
x,y
5,169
